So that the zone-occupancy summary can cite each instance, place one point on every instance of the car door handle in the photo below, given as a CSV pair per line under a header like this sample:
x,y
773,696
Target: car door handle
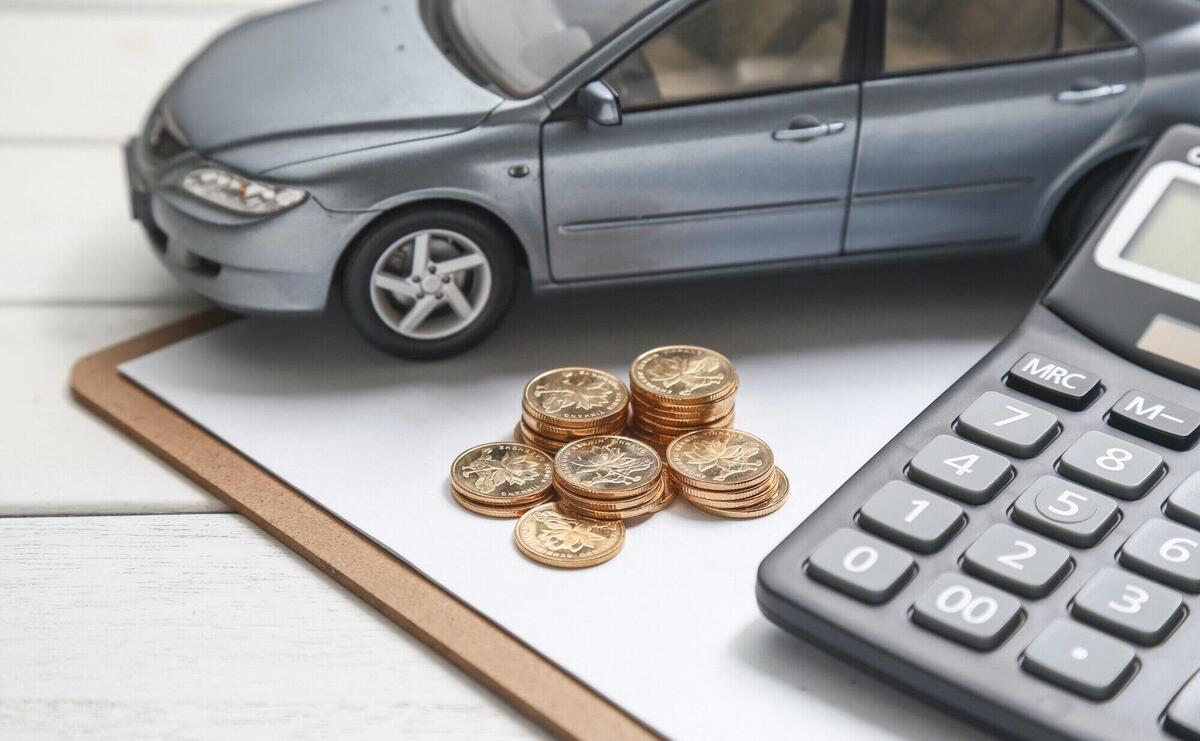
x,y
1086,95
806,130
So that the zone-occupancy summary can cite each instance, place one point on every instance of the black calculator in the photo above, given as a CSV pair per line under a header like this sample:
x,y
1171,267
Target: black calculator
x,y
1026,553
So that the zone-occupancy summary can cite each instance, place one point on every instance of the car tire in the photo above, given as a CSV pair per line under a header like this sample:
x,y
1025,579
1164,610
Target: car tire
x,y
429,284
1085,204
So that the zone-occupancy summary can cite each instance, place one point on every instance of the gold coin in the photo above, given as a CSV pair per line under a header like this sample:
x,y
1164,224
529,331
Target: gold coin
x,y
677,429
662,497
719,459
683,373
496,512
553,537
700,414
575,397
502,473
729,497
522,434
759,510
568,433
585,502
607,466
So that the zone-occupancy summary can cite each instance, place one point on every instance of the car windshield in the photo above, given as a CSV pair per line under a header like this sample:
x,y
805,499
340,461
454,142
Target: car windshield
x,y
521,45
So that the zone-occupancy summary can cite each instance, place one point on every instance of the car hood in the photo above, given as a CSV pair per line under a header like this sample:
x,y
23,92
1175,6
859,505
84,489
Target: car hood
x,y
341,73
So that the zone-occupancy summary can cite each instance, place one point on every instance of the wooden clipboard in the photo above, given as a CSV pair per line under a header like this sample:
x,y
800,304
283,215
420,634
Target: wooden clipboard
x,y
504,664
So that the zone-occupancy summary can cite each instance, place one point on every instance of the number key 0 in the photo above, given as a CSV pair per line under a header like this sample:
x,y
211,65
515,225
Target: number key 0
x,y
861,566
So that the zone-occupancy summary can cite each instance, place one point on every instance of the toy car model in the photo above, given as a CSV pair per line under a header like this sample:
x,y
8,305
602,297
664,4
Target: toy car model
x,y
416,155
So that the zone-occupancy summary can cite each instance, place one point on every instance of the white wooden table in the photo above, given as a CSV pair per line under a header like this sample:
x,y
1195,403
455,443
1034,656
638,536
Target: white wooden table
x,y
132,604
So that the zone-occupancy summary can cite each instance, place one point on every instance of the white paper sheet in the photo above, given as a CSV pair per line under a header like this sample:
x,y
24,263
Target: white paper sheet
x,y
832,365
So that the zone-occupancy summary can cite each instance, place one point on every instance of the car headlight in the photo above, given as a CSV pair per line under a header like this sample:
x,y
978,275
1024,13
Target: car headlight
x,y
236,193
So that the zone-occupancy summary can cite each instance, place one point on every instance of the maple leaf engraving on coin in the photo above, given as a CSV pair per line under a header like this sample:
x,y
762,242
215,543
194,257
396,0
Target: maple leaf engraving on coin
x,y
560,534
610,465
574,391
685,375
727,459
491,473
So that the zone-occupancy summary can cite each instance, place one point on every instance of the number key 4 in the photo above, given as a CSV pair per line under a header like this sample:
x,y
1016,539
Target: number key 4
x,y
961,469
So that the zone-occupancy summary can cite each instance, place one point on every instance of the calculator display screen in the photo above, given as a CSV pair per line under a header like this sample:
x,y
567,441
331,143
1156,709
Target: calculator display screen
x,y
1169,239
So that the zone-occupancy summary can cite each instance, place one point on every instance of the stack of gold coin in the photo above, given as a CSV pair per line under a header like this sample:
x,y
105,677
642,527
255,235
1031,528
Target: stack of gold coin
x,y
571,403
679,389
610,478
502,479
726,473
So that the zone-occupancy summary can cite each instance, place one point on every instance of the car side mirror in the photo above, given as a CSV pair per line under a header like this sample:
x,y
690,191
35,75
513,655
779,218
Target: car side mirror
x,y
599,102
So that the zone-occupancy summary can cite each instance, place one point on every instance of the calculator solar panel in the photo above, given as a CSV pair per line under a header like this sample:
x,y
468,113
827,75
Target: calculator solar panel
x,y
1026,553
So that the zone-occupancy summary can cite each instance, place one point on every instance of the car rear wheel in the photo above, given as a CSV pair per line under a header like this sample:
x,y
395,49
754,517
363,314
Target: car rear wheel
x,y
429,284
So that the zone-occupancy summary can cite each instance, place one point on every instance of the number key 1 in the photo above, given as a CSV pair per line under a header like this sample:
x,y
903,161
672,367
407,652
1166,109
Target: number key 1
x,y
911,516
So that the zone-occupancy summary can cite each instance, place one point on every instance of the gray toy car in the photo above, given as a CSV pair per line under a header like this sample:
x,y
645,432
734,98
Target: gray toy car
x,y
416,155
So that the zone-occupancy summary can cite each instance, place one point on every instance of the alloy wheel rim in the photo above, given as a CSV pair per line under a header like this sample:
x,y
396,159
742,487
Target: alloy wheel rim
x,y
431,284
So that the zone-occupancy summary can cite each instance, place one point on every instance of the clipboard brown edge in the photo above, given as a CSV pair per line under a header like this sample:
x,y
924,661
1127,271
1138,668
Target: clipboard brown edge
x,y
515,672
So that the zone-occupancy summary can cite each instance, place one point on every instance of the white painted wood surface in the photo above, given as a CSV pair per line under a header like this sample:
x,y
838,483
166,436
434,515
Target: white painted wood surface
x,y
176,620
197,626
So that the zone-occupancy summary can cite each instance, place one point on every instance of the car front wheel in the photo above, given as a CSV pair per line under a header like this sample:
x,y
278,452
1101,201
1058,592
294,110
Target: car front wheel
x,y
429,284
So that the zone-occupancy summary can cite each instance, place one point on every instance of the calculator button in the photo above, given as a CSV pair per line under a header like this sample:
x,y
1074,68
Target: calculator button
x,y
1165,552
1017,560
1080,659
961,469
968,611
1184,503
1128,606
1111,465
861,566
911,516
1066,512
1183,715
1008,425
1157,420
1055,382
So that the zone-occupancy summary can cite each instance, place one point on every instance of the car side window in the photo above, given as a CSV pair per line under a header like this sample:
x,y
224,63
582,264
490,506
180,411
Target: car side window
x,y
931,34
729,48
924,35
1083,29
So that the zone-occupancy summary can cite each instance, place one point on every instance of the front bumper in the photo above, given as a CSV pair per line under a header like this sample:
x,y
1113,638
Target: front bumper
x,y
278,264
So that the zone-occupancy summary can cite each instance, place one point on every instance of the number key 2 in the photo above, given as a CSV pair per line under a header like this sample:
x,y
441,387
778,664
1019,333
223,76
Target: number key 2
x,y
1018,561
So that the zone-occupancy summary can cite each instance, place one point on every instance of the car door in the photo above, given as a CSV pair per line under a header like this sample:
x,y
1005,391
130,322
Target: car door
x,y
978,107
736,145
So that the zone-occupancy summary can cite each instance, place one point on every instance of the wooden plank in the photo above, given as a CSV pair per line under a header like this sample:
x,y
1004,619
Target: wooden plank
x,y
66,236
196,626
57,459
92,76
